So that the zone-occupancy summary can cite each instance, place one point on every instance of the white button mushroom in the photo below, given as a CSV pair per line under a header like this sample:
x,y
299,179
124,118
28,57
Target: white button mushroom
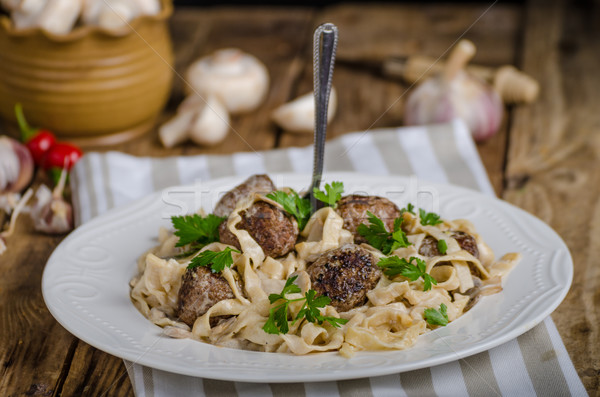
x,y
55,16
237,79
204,123
299,114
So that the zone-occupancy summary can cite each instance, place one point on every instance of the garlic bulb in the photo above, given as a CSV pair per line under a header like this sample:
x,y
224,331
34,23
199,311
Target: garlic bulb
x,y
456,94
50,213
299,114
16,166
237,79
203,123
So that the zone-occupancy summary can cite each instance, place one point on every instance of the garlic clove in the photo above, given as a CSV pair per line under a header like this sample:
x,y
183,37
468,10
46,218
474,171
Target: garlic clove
x,y
299,114
237,79
50,213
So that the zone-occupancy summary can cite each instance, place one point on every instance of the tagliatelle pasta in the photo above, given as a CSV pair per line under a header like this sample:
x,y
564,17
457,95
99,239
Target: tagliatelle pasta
x,y
392,317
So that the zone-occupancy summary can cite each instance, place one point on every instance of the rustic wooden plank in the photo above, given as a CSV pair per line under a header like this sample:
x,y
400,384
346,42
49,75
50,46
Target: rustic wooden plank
x,y
367,101
554,158
93,372
33,346
377,32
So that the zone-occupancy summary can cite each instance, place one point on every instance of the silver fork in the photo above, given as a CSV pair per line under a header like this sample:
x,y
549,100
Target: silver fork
x,y
324,46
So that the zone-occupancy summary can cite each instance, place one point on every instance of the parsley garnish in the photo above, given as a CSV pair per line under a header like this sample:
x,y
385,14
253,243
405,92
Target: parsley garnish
x,y
334,193
278,315
195,229
437,317
429,218
293,204
217,260
442,246
378,236
409,208
393,266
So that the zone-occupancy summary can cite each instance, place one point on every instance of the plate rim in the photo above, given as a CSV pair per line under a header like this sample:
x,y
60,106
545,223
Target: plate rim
x,y
324,375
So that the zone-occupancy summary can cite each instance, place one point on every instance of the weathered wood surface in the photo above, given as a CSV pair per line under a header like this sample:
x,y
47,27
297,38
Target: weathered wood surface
x,y
553,162
545,159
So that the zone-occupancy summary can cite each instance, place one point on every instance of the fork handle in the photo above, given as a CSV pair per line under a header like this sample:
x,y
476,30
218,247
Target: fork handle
x,y
325,45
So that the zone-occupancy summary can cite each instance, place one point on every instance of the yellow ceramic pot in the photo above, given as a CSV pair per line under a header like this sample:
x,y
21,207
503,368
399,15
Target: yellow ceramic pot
x,y
92,85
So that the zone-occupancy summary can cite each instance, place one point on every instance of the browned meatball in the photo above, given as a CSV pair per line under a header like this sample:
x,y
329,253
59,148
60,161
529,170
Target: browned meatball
x,y
255,184
345,275
354,210
272,228
466,242
200,290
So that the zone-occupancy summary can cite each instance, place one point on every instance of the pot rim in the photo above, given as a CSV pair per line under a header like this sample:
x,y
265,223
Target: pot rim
x,y
83,31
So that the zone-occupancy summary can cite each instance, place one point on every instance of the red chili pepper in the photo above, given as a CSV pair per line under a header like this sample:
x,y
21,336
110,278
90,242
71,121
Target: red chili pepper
x,y
38,141
40,144
44,148
61,155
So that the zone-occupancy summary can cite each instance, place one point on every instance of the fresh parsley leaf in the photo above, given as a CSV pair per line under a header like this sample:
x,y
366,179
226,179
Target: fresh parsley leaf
x,y
196,229
409,208
278,315
271,327
334,193
394,265
289,288
429,218
442,246
437,317
294,205
378,236
217,260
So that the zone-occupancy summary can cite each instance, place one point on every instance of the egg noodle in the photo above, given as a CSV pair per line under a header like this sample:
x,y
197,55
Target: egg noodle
x,y
392,317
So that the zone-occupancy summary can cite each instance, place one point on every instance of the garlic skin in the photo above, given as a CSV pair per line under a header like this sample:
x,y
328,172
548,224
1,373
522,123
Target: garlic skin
x,y
50,213
16,166
454,93
465,97
204,123
237,79
299,114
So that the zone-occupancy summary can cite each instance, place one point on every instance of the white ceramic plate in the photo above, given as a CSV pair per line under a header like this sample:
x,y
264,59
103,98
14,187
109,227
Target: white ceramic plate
x,y
85,285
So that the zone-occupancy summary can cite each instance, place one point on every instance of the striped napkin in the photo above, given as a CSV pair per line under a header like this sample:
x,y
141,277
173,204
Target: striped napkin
x,y
535,363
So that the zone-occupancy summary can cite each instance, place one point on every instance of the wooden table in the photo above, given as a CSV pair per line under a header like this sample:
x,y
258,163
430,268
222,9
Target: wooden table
x,y
546,158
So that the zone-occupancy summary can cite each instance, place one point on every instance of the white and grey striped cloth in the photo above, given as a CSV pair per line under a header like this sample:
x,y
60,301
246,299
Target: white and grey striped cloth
x,y
535,363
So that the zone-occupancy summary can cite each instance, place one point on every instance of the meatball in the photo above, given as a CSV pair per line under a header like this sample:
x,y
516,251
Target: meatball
x,y
272,228
345,275
255,184
200,290
466,242
353,209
